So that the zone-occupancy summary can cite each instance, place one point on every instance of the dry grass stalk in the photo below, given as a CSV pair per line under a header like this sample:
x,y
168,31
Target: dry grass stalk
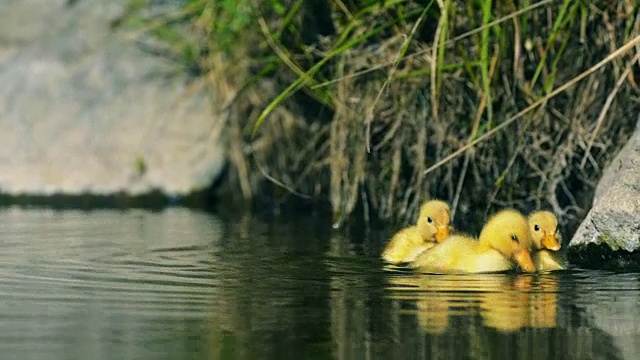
x,y
378,126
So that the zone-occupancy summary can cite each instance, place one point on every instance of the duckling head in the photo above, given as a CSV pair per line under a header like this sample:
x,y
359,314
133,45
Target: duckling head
x,y
507,232
543,231
433,221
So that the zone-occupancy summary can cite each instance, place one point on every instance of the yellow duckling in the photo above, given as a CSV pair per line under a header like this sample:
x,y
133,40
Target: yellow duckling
x,y
543,232
503,240
431,228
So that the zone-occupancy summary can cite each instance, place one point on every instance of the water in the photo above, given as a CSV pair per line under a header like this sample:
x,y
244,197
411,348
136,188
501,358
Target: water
x,y
181,284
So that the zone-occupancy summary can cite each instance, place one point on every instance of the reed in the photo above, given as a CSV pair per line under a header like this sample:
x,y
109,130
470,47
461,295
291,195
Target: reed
x,y
367,104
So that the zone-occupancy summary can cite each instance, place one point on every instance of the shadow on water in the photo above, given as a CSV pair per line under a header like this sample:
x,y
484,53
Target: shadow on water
x,y
185,284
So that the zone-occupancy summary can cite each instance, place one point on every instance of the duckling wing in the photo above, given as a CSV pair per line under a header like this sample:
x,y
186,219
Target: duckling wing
x,y
489,260
460,254
404,246
413,254
444,256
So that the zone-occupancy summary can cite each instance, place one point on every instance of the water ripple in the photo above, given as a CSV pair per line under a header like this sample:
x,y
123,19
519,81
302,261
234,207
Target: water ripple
x,y
183,284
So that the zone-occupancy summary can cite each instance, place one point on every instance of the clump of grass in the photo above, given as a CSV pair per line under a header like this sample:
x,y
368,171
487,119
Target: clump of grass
x,y
385,103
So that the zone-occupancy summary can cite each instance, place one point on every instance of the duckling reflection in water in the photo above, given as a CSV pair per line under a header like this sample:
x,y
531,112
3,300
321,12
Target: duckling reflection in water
x,y
506,303
432,302
432,227
507,307
545,241
528,301
543,302
503,242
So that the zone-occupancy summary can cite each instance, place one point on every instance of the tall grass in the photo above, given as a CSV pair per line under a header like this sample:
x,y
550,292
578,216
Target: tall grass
x,y
367,104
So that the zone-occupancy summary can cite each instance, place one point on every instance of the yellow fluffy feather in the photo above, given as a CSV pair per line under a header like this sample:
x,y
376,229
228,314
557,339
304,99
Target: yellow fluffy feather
x,y
432,227
503,242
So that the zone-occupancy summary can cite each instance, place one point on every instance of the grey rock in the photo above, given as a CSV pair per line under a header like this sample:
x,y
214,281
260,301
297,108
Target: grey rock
x,y
614,219
84,110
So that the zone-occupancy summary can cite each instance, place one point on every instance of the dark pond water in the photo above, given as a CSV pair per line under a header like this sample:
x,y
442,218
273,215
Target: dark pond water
x,y
181,284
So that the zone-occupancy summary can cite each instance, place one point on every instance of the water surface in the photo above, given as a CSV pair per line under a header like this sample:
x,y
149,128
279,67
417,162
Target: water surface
x,y
183,284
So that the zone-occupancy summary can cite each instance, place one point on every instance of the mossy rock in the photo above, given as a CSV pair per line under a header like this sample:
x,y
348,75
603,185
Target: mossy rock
x,y
609,237
593,256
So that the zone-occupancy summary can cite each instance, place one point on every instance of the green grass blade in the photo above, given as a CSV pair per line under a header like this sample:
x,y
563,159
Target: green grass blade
x,y
557,25
484,58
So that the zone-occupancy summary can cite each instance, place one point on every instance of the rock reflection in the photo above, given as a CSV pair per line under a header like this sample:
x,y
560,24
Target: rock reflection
x,y
505,302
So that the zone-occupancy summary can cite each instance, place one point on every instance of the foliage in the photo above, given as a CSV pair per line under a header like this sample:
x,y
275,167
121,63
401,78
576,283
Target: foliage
x,y
362,102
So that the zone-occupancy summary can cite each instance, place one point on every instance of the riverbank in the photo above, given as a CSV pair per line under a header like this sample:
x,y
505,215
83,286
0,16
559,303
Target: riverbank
x,y
364,105
366,108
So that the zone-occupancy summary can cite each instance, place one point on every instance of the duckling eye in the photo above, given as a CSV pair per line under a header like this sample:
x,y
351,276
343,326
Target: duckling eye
x,y
536,227
514,237
429,220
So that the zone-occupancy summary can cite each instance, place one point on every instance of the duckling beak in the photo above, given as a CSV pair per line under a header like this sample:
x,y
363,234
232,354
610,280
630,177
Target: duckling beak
x,y
442,233
523,258
550,242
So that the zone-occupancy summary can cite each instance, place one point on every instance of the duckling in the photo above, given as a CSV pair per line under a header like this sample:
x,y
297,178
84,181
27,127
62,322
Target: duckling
x,y
543,232
503,240
431,228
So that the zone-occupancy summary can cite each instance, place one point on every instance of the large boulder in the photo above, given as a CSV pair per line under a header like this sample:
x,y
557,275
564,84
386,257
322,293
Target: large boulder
x,y
83,110
609,237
